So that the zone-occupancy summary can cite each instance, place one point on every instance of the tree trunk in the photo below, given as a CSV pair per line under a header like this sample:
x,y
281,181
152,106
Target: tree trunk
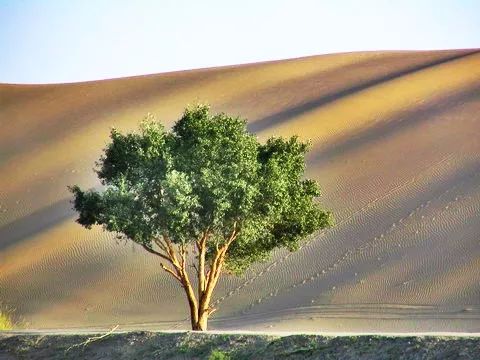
x,y
201,324
193,314
207,280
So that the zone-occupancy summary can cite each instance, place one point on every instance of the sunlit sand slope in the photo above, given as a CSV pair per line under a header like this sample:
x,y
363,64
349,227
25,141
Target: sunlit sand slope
x,y
396,148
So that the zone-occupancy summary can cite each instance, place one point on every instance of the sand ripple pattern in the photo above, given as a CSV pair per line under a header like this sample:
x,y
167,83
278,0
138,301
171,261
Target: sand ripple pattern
x,y
394,149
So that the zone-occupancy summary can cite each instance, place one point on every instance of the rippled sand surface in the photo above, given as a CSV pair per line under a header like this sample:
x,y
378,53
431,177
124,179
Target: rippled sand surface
x,y
396,149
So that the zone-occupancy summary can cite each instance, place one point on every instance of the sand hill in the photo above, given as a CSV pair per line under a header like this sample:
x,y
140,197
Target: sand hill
x,y
396,149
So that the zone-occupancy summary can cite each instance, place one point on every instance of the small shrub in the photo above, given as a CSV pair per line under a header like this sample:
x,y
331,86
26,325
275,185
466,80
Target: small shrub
x,y
218,355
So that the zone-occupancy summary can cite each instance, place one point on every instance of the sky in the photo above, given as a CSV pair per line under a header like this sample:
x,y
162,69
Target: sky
x,y
54,41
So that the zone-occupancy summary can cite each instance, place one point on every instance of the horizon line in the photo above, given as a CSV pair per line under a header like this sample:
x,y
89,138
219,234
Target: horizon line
x,y
206,68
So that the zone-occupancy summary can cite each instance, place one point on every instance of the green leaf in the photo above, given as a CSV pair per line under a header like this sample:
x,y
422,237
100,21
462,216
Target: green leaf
x,y
208,172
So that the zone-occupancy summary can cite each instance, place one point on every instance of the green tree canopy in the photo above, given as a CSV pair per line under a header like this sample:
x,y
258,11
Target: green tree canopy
x,y
207,183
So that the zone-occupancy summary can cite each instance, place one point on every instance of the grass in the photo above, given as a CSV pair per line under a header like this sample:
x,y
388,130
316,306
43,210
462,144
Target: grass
x,y
7,319
6,322
147,345
218,355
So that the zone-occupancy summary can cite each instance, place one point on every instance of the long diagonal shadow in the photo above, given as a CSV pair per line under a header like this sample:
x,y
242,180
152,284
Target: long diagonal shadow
x,y
393,124
140,88
288,114
43,219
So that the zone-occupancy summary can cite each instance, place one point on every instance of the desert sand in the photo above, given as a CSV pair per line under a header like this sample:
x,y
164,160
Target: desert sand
x,y
396,149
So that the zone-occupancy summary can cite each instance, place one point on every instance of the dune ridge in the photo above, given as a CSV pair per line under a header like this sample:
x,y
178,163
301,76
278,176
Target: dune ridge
x,y
394,148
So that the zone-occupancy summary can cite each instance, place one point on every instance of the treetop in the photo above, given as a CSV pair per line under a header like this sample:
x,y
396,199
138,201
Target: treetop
x,y
207,176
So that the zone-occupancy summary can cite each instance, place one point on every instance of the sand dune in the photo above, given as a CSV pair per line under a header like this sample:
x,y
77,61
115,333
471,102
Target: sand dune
x,y
395,148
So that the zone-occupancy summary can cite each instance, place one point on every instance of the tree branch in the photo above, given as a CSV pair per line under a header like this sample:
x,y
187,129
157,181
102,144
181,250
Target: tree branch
x,y
215,269
211,311
180,272
171,251
196,269
150,250
160,244
183,255
221,252
173,273
201,246
233,236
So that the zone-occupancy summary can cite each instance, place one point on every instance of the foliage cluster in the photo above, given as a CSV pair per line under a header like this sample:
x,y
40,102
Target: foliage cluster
x,y
207,174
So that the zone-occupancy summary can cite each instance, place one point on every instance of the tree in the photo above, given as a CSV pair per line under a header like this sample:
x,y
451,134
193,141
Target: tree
x,y
207,193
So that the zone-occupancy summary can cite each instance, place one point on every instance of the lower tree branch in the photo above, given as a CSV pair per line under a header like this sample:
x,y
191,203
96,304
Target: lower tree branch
x,y
171,251
150,250
160,244
173,273
214,272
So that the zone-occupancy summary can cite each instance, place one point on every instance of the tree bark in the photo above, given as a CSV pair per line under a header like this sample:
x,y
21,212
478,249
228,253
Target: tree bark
x,y
193,314
202,322
199,305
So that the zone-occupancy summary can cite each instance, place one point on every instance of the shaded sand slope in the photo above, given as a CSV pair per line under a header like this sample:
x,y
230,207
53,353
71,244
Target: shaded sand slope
x,y
395,148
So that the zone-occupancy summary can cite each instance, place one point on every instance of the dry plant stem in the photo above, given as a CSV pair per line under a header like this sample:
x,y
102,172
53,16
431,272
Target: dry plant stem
x,y
39,339
93,339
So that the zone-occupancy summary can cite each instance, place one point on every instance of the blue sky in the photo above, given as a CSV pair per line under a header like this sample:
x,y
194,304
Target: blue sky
x,y
65,41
